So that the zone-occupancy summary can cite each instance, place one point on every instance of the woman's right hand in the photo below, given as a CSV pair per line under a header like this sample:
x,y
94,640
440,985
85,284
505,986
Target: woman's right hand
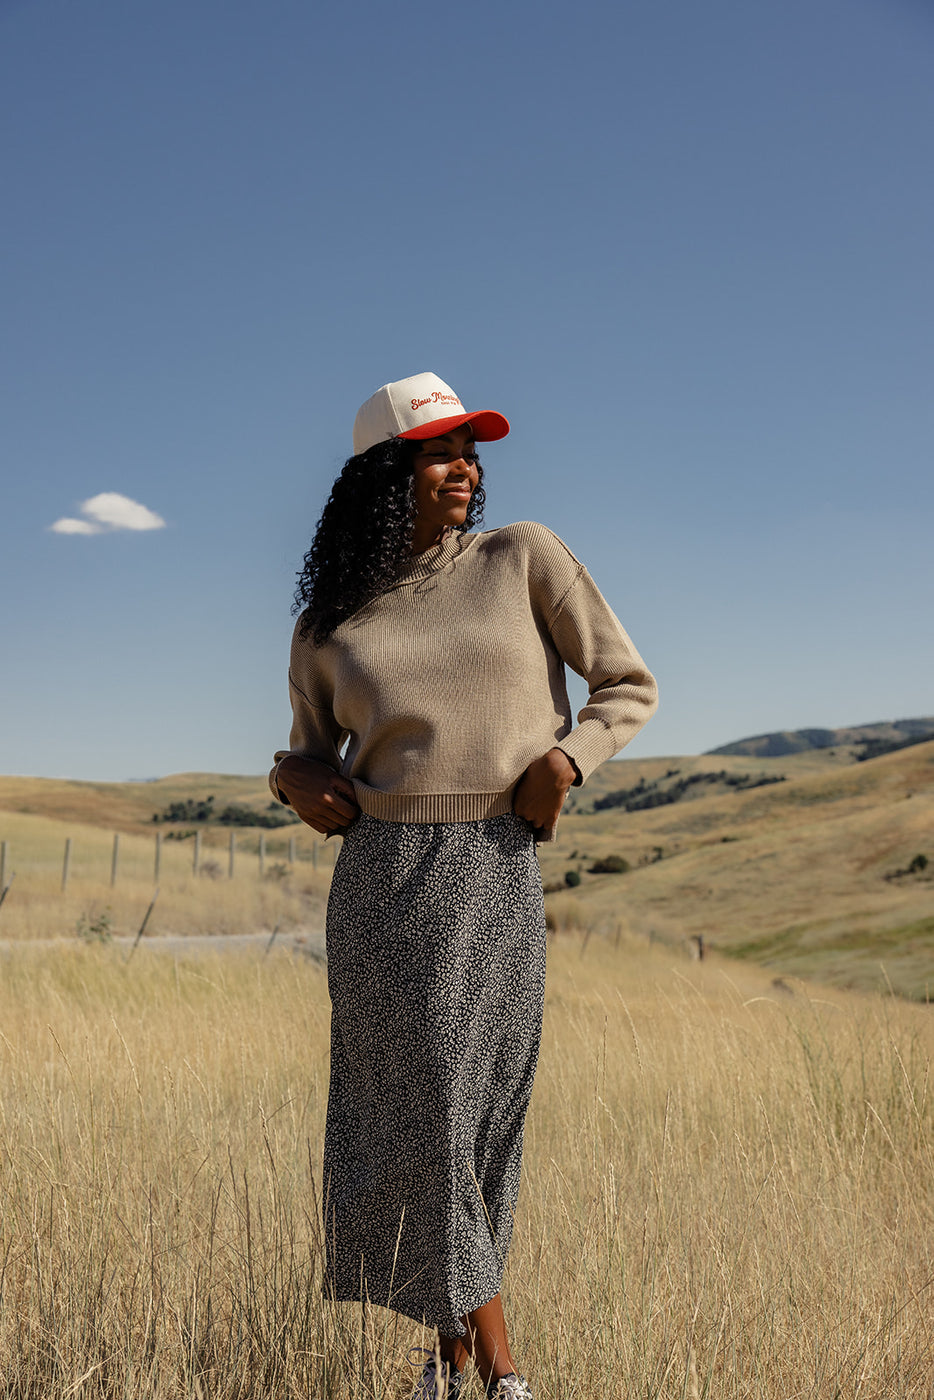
x,y
322,798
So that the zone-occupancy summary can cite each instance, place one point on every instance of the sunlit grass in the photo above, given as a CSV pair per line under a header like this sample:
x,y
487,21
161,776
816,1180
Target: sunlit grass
x,y
728,1189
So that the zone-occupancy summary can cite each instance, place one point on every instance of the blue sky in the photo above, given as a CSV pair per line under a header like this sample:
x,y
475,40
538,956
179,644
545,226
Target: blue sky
x,y
685,248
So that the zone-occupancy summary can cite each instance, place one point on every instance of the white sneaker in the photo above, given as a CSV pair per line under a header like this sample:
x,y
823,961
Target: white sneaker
x,y
440,1380
511,1387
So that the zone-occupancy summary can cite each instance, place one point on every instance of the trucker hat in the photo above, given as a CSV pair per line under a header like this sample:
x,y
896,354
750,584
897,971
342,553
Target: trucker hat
x,y
421,406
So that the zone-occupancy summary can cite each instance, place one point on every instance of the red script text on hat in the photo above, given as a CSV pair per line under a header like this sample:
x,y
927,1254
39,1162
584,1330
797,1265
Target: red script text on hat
x,y
437,397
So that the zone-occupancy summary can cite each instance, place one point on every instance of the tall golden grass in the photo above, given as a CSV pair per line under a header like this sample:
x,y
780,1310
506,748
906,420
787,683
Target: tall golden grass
x,y
728,1188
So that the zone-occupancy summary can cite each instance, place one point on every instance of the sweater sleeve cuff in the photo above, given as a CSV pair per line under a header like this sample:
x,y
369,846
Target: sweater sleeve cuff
x,y
274,786
587,746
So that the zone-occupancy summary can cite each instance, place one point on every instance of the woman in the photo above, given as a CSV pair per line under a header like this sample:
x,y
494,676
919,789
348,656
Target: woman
x,y
431,726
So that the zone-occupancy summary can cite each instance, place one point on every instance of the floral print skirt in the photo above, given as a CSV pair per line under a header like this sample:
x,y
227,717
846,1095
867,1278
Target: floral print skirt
x,y
436,970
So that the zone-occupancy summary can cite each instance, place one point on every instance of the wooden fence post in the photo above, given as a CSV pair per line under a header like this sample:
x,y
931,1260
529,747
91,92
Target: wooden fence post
x,y
142,928
196,858
314,855
114,859
291,854
157,863
232,848
66,863
262,854
3,850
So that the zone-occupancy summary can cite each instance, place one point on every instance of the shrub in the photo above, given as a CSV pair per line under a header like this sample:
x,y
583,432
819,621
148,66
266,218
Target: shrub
x,y
202,809
610,865
572,878
95,928
915,866
644,796
191,810
237,814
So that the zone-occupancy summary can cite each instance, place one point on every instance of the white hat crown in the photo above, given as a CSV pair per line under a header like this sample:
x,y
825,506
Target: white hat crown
x,y
418,407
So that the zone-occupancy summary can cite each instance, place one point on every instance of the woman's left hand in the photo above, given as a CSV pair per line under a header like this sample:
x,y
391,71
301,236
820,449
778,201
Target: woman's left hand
x,y
541,790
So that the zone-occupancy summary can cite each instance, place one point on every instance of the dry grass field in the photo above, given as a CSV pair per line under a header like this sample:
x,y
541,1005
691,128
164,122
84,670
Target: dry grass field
x,y
38,815
728,1189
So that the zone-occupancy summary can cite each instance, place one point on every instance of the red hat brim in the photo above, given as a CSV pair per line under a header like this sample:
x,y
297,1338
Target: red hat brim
x,y
487,426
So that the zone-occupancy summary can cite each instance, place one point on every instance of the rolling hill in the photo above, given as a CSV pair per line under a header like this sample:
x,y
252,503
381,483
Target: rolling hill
x,y
812,863
815,875
874,738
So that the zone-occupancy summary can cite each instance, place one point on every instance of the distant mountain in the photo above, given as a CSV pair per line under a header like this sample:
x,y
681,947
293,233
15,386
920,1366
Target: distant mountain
x,y
877,738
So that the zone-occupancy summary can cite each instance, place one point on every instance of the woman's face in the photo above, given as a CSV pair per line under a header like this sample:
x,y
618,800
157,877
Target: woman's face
x,y
445,477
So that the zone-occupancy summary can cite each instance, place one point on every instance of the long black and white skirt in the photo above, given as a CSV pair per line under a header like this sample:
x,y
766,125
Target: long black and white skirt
x,y
436,970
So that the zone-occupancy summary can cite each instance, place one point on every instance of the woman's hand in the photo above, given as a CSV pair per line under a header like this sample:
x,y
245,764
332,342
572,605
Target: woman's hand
x,y
322,798
541,790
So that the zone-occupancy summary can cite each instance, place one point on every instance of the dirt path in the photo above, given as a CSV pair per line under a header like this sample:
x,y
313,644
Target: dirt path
x,y
308,943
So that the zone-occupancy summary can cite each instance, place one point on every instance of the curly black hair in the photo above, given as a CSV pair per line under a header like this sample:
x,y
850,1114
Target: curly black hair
x,y
364,536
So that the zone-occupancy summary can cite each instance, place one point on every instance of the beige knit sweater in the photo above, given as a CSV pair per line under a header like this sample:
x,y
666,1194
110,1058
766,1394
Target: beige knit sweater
x,y
450,683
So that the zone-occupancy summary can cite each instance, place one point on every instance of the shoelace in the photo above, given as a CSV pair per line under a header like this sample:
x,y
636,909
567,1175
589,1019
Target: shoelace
x,y
511,1387
432,1379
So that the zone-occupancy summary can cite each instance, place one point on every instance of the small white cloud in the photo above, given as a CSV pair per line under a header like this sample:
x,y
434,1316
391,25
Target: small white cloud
x,y
120,513
69,526
109,511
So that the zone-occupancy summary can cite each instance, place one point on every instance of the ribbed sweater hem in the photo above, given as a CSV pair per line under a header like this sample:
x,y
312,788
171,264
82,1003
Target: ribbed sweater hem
x,y
432,806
